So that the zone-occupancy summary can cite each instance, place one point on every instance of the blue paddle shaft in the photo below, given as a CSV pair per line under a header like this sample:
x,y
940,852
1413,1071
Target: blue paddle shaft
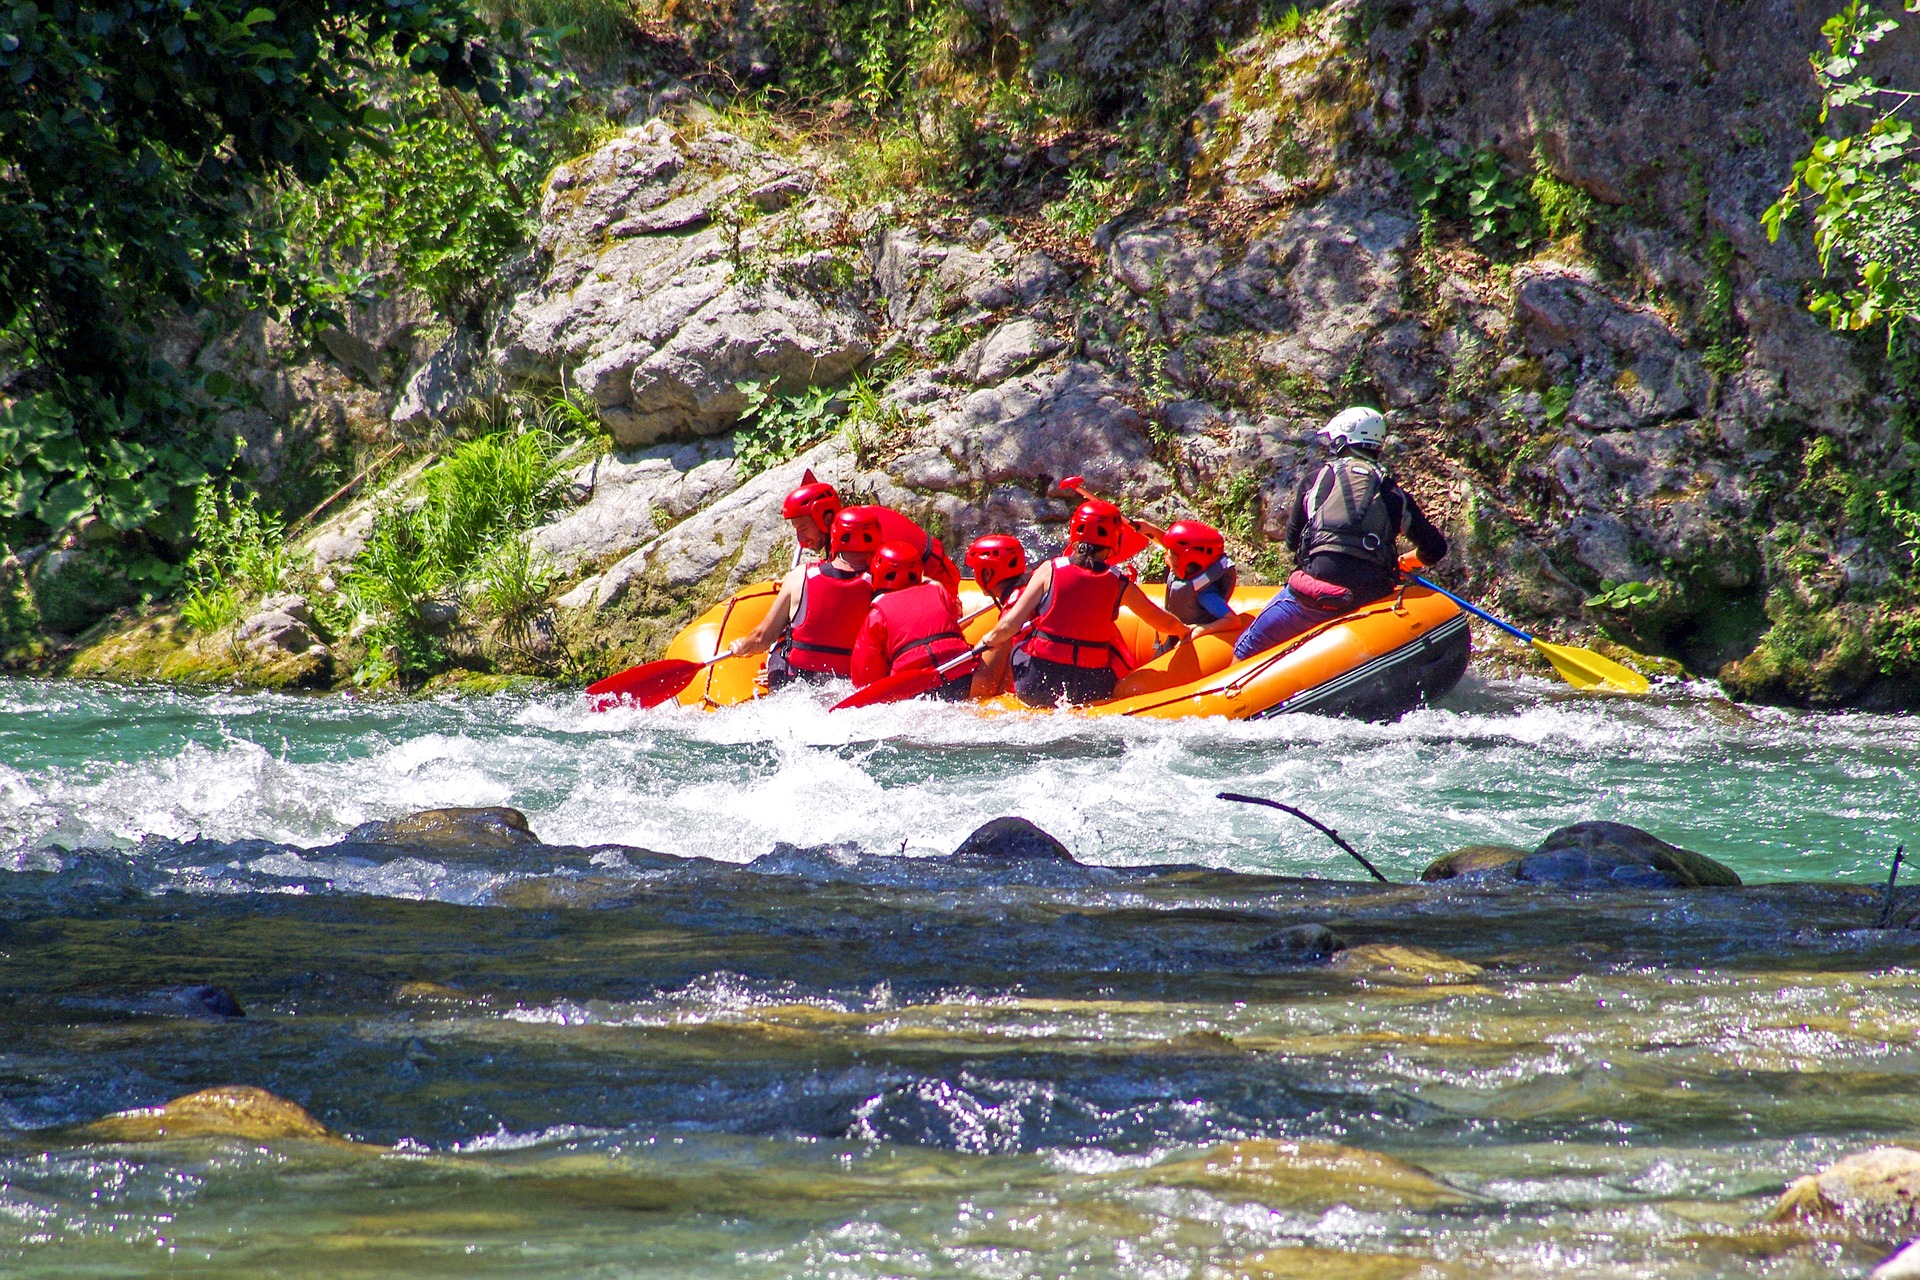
x,y
1476,610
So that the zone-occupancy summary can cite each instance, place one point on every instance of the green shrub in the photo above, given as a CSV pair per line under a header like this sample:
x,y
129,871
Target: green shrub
x,y
467,529
1564,209
1086,206
776,428
239,554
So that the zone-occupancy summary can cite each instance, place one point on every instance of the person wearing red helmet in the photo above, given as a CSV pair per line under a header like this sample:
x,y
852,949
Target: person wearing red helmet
x,y
1200,577
809,630
1000,570
999,565
1075,654
914,622
810,510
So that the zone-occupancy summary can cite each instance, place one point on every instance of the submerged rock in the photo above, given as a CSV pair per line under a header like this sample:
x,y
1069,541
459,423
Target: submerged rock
x,y
1386,962
1589,855
1310,1262
1303,942
1012,840
206,1002
492,827
226,1111
1877,1191
1308,1174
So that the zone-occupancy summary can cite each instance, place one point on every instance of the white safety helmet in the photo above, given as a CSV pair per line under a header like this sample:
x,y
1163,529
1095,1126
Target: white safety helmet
x,y
1356,426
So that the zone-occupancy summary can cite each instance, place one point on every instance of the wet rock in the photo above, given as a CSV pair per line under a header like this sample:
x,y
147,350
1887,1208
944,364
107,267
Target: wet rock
x,y
278,638
1303,942
205,1002
493,827
1876,1191
1387,962
1475,859
1613,852
227,1111
1588,855
1284,1174
1011,840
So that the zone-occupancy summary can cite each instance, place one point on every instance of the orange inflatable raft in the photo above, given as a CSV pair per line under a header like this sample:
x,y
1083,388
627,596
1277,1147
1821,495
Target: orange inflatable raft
x,y
1375,663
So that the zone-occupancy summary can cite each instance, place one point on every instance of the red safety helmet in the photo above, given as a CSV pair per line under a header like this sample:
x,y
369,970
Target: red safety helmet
x,y
1097,524
1192,546
815,499
896,565
996,558
856,529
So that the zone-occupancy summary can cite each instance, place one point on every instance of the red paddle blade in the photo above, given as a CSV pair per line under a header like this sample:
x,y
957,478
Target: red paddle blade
x,y
897,687
1072,485
648,685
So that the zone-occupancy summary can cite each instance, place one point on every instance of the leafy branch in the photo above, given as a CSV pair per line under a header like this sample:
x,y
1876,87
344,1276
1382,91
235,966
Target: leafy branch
x,y
1863,181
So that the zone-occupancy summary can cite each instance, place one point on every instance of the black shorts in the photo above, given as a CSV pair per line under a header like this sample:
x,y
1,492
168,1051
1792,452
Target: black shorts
x,y
1040,683
781,673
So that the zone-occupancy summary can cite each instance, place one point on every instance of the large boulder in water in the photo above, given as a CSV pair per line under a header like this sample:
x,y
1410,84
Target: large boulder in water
x,y
1876,1191
1589,855
227,1111
493,827
1011,840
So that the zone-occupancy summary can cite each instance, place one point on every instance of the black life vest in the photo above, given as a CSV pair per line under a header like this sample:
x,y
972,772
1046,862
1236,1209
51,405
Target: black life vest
x,y
1348,513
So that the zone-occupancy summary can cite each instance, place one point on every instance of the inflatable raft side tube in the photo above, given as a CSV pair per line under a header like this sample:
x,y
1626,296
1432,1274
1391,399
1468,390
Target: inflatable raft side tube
x,y
1394,683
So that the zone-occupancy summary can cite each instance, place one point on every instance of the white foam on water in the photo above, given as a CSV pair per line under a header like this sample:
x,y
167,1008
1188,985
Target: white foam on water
x,y
1773,792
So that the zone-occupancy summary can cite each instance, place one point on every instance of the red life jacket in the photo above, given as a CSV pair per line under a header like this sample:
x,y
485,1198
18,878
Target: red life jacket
x,y
923,624
1075,625
833,604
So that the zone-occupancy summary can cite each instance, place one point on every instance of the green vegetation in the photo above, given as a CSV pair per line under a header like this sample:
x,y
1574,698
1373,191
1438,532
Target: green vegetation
x,y
1087,205
1474,190
1623,595
439,205
1564,209
1862,180
463,538
239,554
776,428
137,141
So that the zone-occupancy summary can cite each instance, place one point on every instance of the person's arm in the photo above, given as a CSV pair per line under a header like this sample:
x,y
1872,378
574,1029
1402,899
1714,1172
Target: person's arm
x,y
774,625
1428,542
869,661
1151,529
1011,620
1152,614
1297,514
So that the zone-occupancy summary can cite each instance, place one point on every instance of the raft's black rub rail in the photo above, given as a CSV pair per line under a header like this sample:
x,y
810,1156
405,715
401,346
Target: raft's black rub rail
x,y
1308,818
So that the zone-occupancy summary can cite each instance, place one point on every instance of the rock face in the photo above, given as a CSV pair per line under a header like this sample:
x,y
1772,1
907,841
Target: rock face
x,y
1308,942
1876,1191
229,1111
451,829
1588,855
660,300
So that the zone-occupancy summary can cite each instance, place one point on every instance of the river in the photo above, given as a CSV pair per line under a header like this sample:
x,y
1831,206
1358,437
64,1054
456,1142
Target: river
x,y
740,1016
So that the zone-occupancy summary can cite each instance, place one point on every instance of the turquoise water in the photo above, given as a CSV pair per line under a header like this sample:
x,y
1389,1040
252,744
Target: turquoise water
x,y
665,1042
1774,794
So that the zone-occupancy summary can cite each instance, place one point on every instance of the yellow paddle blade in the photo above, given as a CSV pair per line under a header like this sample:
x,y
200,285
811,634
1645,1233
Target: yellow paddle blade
x,y
1585,669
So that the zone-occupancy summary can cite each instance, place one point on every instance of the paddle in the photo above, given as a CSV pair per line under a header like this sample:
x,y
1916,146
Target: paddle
x,y
902,685
649,684
1581,668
